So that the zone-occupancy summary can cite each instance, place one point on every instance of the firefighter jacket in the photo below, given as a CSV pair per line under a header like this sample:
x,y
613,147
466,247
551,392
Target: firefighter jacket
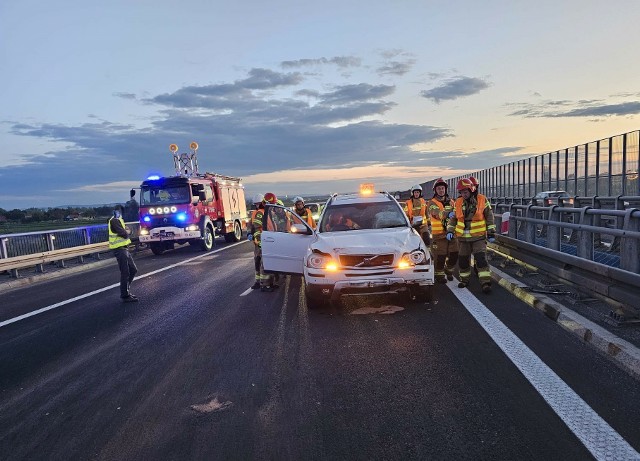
x,y
118,236
256,226
306,216
438,212
417,207
473,219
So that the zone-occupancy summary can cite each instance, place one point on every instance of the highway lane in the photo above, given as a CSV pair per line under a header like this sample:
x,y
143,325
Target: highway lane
x,y
197,371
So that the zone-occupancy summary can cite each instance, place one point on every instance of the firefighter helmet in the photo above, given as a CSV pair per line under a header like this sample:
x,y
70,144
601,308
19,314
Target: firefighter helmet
x,y
474,181
416,187
271,198
258,198
464,183
440,182
298,199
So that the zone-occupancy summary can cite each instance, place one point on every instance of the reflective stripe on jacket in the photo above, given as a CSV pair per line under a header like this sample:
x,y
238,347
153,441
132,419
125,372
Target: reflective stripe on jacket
x,y
115,240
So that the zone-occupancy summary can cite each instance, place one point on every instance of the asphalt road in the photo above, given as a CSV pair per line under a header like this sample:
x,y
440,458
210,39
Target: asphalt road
x,y
203,368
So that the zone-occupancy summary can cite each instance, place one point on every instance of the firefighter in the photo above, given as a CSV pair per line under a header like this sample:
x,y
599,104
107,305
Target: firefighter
x,y
445,252
472,222
267,282
303,212
258,206
119,242
417,212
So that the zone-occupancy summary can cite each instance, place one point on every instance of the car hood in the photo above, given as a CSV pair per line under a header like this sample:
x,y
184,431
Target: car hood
x,y
373,241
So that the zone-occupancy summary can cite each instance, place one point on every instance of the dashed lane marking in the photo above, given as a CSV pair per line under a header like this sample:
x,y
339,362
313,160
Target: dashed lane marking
x,y
246,292
598,437
95,292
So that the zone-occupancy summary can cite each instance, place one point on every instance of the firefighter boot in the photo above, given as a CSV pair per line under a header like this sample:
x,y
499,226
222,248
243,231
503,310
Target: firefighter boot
x,y
486,287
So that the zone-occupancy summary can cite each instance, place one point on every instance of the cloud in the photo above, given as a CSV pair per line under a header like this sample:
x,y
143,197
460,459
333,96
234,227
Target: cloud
x,y
340,61
360,92
455,88
125,95
581,108
396,67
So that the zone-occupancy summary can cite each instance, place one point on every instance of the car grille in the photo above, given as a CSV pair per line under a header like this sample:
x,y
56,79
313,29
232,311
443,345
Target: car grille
x,y
366,261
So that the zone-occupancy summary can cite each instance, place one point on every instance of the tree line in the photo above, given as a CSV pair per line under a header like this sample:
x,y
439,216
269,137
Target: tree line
x,y
31,215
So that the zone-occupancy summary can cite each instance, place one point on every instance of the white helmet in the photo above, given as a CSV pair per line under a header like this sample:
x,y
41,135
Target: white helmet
x,y
298,199
416,187
258,198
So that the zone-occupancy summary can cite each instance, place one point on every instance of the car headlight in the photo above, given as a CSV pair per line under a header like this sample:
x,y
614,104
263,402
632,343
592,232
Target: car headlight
x,y
321,261
144,231
192,227
414,258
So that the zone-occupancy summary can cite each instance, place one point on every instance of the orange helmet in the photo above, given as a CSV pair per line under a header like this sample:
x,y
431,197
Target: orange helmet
x,y
271,198
464,183
440,182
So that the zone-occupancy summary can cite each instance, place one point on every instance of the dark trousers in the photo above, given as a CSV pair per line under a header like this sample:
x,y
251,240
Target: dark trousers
x,y
127,268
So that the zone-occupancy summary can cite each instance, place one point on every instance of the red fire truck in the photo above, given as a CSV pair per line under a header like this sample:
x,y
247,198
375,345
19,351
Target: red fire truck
x,y
191,207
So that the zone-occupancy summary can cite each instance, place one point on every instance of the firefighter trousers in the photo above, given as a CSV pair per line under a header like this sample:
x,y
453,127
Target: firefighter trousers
x,y
477,248
445,255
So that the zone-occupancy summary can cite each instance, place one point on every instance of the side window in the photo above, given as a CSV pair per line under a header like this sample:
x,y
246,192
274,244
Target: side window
x,y
208,190
280,219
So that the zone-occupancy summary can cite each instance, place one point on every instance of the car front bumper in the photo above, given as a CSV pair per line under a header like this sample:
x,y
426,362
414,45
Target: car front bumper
x,y
161,234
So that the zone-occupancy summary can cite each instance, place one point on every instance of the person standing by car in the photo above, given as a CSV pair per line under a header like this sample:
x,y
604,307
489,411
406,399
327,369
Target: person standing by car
x,y
255,225
472,222
417,212
444,251
267,282
303,212
119,242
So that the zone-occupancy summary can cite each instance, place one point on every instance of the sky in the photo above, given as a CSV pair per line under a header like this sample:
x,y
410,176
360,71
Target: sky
x,y
302,98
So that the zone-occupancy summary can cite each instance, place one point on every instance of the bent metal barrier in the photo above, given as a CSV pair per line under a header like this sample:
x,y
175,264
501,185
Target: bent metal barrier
x,y
19,251
597,249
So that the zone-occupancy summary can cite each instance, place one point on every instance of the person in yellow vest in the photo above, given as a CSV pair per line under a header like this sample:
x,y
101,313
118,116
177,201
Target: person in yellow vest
x,y
267,280
119,242
303,212
417,213
445,252
473,224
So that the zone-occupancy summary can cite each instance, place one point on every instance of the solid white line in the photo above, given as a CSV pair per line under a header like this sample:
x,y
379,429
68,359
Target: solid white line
x,y
597,436
86,295
246,292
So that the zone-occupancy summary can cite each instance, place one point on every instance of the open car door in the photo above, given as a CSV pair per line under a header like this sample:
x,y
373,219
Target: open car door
x,y
285,240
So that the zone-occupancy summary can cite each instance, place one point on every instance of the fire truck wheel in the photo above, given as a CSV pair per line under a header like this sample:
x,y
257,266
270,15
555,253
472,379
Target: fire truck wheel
x,y
157,247
236,235
207,241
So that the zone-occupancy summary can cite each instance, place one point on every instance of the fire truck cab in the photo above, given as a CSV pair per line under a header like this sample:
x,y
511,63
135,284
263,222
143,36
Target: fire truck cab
x,y
191,207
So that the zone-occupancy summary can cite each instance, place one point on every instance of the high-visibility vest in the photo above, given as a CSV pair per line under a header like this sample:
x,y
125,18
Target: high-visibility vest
x,y
438,219
478,226
256,223
417,210
115,241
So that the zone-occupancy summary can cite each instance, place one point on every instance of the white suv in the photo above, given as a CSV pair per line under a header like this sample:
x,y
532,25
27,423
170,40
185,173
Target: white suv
x,y
363,245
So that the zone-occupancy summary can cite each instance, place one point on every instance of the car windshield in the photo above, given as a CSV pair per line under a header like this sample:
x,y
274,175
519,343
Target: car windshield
x,y
165,195
367,215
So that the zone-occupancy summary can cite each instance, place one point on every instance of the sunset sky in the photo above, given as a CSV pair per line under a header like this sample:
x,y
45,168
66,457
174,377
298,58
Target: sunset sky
x,y
302,98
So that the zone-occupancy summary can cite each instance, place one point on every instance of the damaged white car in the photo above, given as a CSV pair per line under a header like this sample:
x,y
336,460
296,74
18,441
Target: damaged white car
x,y
364,245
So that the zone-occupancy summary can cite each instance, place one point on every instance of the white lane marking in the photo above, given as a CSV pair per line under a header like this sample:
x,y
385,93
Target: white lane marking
x,y
86,295
597,436
246,292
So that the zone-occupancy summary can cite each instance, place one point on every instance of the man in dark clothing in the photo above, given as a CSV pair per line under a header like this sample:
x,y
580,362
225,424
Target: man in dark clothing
x,y
119,242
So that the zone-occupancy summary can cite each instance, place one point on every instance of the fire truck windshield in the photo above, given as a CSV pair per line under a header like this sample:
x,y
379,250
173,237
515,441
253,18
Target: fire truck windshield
x,y
165,195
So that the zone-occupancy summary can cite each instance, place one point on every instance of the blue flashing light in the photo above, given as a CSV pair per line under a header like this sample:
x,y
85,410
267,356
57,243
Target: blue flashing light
x,y
146,219
153,177
181,216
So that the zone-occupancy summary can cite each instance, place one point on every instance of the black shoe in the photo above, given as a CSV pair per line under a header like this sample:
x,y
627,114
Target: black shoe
x,y
449,277
441,280
268,289
462,285
130,299
275,286
486,288
255,286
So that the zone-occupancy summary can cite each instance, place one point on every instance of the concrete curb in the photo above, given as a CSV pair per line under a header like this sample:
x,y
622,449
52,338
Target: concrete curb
x,y
623,353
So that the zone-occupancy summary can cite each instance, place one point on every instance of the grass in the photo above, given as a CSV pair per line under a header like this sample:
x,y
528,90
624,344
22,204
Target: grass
x,y
17,228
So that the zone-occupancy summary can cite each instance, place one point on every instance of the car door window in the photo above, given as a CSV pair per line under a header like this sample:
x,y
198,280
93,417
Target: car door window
x,y
279,219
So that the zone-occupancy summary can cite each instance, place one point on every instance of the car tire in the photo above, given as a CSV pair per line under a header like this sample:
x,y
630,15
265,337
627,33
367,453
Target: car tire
x,y
157,248
208,237
234,236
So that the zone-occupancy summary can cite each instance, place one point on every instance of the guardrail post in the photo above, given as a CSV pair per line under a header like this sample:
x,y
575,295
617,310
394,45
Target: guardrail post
x,y
554,232
50,238
3,248
630,246
585,237
513,223
530,227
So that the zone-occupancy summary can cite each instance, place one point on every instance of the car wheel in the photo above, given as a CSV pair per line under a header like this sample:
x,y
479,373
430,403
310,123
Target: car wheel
x,y
207,241
234,236
157,248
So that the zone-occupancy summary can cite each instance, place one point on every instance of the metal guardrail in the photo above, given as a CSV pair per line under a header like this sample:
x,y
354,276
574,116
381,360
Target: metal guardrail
x,y
28,249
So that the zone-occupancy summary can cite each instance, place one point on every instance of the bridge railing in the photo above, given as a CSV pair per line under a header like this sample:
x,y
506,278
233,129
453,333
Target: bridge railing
x,y
28,249
597,248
